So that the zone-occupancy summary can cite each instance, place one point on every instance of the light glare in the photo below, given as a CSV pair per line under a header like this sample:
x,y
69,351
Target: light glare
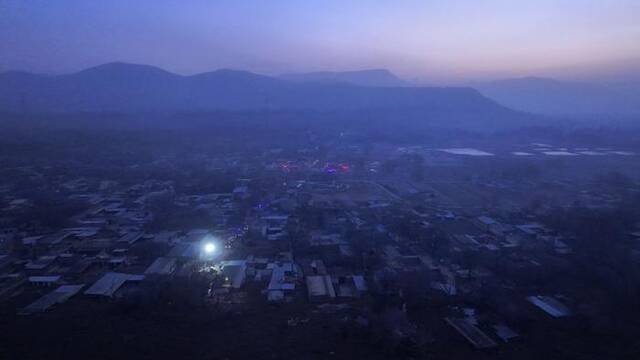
x,y
209,248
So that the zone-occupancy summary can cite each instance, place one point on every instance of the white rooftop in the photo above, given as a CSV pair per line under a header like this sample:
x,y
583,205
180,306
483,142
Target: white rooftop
x,y
110,283
550,305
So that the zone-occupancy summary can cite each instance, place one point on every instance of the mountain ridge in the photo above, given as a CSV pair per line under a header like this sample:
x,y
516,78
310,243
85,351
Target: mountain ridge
x,y
125,87
368,77
550,96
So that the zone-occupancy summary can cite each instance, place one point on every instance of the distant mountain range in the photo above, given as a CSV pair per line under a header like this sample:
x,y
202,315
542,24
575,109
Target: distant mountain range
x,y
125,87
375,77
121,87
554,97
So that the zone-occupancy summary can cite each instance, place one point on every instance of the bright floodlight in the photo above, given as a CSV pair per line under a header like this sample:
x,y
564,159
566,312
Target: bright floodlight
x,y
209,248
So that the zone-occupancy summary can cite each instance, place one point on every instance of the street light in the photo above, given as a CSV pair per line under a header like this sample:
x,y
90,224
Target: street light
x,y
209,248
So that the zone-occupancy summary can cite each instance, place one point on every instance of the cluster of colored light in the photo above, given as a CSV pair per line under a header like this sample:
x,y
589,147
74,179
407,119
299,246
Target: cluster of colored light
x,y
288,166
332,169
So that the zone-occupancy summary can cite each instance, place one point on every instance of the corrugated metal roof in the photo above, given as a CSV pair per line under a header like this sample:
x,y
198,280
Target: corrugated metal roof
x,y
549,305
110,283
161,266
320,286
472,333
57,296
42,279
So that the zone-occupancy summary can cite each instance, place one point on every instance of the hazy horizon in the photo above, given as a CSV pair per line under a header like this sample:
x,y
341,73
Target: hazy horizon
x,y
435,42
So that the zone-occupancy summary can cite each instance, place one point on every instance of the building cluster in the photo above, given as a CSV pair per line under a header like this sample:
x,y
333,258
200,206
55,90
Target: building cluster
x,y
332,235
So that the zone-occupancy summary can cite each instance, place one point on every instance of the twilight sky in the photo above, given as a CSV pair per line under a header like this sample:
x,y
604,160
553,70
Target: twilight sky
x,y
433,40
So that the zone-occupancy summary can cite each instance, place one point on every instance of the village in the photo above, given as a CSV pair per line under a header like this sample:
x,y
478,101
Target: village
x,y
430,246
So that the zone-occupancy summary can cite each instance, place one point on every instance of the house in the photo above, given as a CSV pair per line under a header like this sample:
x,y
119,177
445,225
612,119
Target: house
x,y
320,288
550,305
532,230
360,283
131,237
92,245
185,251
57,296
351,286
447,283
472,333
282,280
83,232
162,266
109,284
241,192
57,238
486,222
281,276
116,261
44,280
168,237
197,235
505,333
31,240
276,226
41,263
79,267
234,273
314,267
491,225
319,238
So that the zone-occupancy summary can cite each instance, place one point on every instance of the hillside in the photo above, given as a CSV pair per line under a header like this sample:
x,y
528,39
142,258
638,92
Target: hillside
x,y
119,87
553,97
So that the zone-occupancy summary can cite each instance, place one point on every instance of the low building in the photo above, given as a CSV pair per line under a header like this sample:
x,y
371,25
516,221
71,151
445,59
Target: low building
x,y
320,288
282,280
185,251
234,273
162,266
550,305
131,237
351,286
109,284
505,333
472,333
41,263
57,296
44,280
